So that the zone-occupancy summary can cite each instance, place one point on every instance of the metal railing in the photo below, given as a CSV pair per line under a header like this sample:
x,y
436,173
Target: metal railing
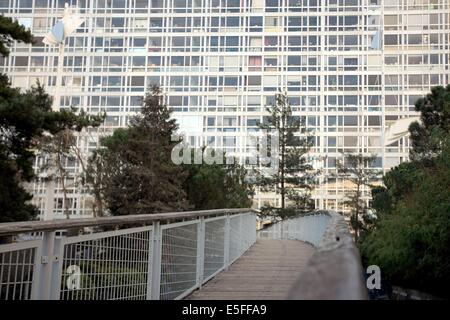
x,y
157,256
309,228
334,271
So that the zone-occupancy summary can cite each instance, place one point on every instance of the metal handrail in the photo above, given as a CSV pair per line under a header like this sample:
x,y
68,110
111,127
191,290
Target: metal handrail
x,y
334,272
154,256
13,228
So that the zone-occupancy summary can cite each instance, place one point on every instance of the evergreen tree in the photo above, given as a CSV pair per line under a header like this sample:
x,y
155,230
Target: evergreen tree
x,y
25,118
411,235
18,126
426,137
11,31
140,176
294,178
216,186
356,169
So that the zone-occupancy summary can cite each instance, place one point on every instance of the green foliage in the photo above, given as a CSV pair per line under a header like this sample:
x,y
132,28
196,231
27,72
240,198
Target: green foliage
x,y
12,31
97,275
134,174
14,199
411,237
15,137
398,183
215,186
426,137
294,178
356,169
411,240
25,117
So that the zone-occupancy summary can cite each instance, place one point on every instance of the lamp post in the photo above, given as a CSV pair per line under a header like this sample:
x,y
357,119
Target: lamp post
x,y
57,37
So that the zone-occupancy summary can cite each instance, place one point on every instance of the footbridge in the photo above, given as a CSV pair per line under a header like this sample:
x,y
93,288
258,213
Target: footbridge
x,y
212,254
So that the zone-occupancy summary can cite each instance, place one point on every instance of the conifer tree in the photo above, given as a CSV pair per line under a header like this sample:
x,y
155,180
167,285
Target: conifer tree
x,y
294,178
137,173
25,118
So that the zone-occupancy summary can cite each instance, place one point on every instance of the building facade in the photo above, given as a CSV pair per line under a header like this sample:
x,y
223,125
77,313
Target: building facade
x,y
350,67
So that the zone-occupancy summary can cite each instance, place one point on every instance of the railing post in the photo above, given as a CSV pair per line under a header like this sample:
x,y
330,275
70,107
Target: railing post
x,y
226,251
200,250
254,226
57,269
47,263
240,237
155,264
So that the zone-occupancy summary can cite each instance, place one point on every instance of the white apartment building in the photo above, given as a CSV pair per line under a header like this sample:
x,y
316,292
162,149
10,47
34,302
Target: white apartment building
x,y
350,68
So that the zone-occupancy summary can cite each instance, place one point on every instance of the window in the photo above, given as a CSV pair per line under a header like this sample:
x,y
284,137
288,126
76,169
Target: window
x,y
351,20
350,141
175,101
139,42
374,120
254,100
137,81
21,61
252,122
415,22
414,39
138,61
332,141
254,80
255,24
391,39
351,80
254,63
211,121
256,42
154,62
391,60
350,120
231,81
230,100
350,40
40,23
270,81
392,100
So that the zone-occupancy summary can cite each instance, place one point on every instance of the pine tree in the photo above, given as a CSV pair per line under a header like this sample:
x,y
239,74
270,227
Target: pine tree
x,y
11,31
217,186
294,177
428,135
140,176
356,169
25,118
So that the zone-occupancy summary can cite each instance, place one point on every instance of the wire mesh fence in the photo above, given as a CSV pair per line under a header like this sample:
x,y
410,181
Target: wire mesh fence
x,y
309,228
214,259
152,262
17,270
178,259
106,266
235,237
